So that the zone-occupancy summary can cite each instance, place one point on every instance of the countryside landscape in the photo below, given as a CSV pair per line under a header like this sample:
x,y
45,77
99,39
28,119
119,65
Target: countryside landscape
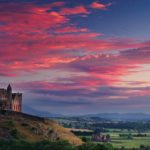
x,y
74,75
124,134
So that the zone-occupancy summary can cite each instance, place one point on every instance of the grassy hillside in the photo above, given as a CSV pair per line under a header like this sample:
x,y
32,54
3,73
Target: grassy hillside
x,y
27,127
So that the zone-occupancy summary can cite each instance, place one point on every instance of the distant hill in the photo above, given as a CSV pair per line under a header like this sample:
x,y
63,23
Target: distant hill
x,y
33,128
29,110
88,119
102,116
121,117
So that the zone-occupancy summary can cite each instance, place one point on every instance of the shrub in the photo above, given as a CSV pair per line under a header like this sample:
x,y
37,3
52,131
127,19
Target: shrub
x,y
14,133
85,139
11,123
51,131
33,128
3,112
24,124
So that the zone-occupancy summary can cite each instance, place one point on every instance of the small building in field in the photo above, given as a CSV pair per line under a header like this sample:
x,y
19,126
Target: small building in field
x,y
99,137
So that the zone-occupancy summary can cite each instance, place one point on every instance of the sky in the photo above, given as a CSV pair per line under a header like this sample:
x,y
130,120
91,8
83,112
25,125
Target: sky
x,y
77,56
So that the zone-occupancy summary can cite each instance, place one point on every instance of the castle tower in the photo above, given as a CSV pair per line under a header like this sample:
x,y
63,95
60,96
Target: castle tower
x,y
9,89
9,93
10,101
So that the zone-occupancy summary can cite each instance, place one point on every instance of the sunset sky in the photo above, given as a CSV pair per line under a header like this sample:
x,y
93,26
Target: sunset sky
x,y
77,56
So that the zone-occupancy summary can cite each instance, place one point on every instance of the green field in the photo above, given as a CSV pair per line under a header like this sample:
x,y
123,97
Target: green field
x,y
130,143
119,142
61,120
78,124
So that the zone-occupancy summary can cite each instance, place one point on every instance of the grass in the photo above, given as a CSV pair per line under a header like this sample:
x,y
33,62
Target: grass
x,y
61,120
81,130
119,142
36,130
135,142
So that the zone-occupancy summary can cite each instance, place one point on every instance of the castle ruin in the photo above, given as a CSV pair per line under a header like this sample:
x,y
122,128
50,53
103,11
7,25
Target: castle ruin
x,y
10,101
99,137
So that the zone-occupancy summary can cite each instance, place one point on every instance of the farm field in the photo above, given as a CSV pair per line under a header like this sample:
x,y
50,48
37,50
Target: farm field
x,y
81,130
123,134
119,142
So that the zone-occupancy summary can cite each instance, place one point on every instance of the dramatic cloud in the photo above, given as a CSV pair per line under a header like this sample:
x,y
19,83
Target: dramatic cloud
x,y
63,38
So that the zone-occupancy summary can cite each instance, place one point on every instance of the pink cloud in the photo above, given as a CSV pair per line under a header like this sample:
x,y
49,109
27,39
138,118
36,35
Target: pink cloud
x,y
69,29
74,11
30,36
96,5
36,39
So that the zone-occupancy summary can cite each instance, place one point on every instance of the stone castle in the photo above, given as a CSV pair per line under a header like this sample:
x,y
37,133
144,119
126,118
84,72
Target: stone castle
x,y
10,101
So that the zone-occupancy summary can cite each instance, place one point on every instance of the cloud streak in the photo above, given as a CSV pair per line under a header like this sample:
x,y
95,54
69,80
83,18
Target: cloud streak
x,y
37,37
96,5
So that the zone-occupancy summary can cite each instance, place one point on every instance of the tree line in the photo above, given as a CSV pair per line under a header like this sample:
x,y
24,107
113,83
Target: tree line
x,y
6,144
17,144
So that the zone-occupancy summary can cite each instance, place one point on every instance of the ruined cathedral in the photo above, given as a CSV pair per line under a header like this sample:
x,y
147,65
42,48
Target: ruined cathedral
x,y
10,101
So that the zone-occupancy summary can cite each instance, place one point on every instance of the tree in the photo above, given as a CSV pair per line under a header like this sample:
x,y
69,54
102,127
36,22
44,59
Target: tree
x,y
85,139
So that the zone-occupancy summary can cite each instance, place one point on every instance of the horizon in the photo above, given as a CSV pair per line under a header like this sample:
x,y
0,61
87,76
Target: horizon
x,y
77,57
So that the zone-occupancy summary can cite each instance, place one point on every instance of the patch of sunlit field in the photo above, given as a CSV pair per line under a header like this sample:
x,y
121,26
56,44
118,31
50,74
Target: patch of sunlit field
x,y
81,130
119,142
61,120
135,142
126,142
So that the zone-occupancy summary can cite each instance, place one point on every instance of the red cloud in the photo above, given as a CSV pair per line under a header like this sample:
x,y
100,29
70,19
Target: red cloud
x,y
82,87
55,4
69,29
74,11
35,38
29,43
96,5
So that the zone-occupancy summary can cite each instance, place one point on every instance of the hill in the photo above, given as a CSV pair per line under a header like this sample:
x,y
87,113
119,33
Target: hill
x,y
121,117
33,128
30,110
